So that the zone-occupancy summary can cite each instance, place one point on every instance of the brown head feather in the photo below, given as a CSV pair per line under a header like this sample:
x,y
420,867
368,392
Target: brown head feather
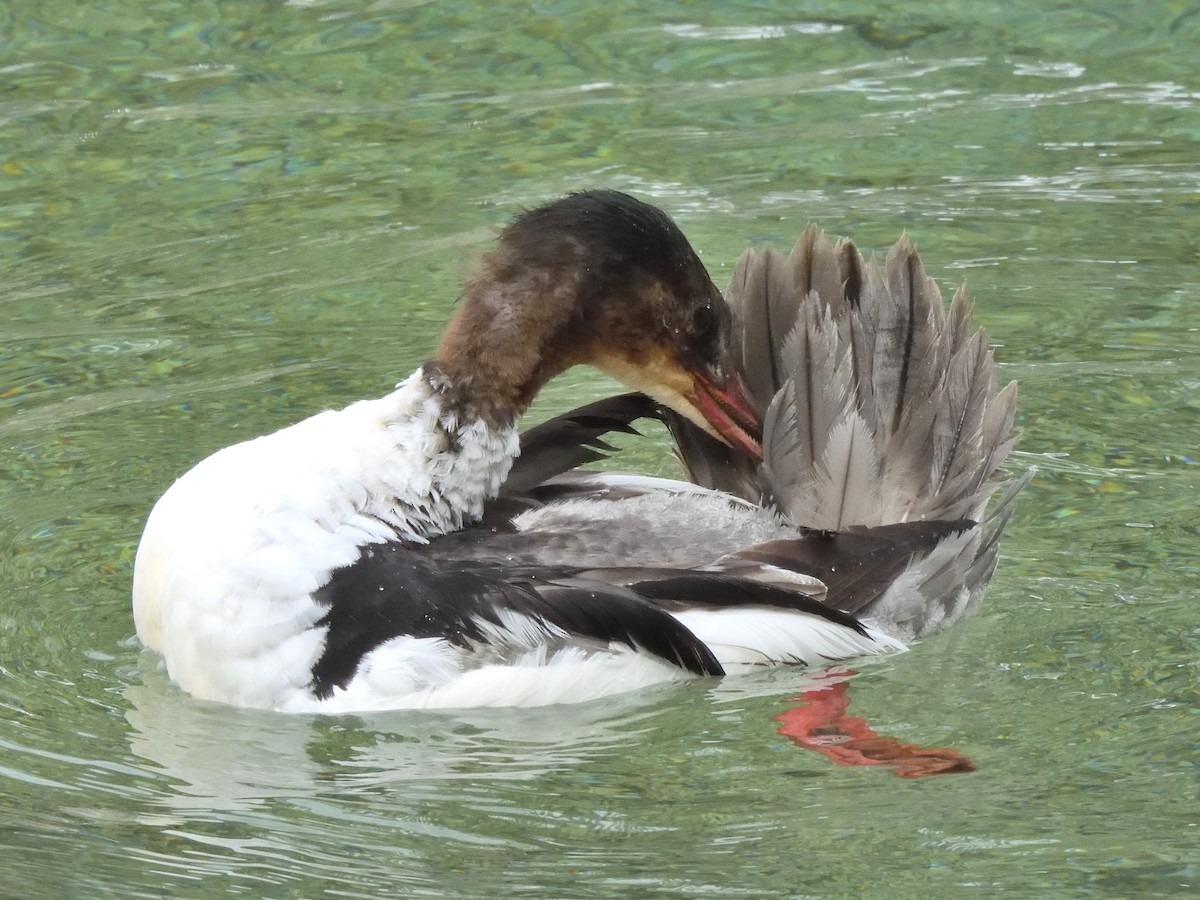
x,y
596,278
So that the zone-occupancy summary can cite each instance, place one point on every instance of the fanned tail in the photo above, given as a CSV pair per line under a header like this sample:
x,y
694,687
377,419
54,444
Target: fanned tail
x,y
880,408
870,377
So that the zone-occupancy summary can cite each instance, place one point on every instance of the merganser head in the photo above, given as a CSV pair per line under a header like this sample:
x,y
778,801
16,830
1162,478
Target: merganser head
x,y
602,279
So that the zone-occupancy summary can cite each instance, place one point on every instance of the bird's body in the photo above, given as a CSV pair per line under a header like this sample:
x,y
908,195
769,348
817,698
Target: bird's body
x,y
410,551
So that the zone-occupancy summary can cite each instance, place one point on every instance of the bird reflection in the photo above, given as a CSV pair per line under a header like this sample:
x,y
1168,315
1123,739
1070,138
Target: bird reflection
x,y
819,722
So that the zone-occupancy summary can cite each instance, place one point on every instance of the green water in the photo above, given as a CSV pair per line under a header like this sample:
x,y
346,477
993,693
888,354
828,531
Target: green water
x,y
219,217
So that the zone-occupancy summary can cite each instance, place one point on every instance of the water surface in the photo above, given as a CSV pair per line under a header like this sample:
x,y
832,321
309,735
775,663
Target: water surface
x,y
218,218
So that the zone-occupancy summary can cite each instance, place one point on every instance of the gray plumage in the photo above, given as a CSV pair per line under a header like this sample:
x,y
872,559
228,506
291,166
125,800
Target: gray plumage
x,y
880,404
880,407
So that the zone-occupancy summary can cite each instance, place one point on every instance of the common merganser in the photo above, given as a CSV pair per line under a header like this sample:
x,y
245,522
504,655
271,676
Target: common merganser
x,y
391,555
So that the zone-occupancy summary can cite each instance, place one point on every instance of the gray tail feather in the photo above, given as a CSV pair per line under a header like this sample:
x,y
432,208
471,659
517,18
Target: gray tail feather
x,y
879,403
947,584
879,407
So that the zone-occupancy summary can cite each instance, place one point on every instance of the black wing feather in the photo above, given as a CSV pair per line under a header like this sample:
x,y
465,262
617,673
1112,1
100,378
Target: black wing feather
x,y
574,439
857,566
394,590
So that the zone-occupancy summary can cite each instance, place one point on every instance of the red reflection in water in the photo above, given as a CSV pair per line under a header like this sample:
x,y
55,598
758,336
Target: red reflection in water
x,y
821,724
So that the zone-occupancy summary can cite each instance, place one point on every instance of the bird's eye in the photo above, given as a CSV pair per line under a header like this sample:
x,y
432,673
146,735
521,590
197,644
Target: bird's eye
x,y
703,322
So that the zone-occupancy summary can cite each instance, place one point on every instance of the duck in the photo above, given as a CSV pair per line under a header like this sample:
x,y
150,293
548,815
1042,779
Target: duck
x,y
839,428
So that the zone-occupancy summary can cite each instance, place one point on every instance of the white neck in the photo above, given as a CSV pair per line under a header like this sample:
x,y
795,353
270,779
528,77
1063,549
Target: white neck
x,y
409,461
443,466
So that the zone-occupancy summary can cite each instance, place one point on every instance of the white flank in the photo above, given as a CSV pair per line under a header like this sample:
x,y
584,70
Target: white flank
x,y
745,637
409,673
